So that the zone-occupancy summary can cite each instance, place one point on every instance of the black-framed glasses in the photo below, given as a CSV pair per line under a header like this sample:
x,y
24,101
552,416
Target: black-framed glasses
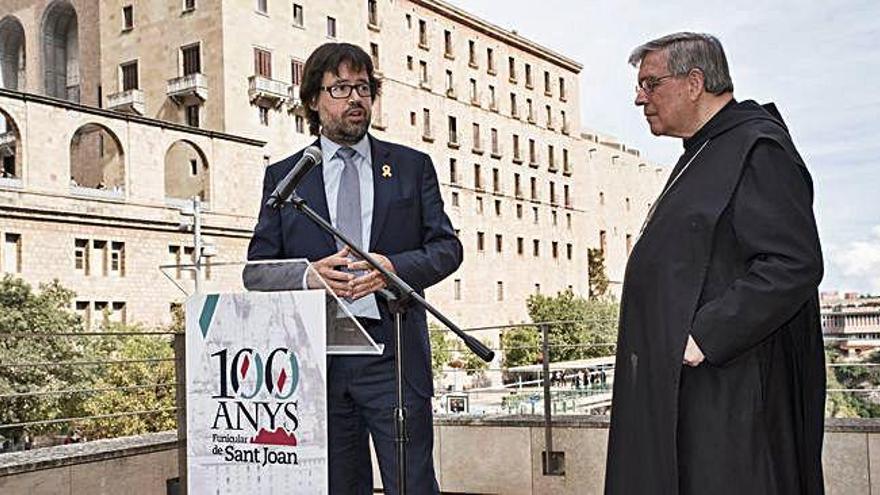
x,y
649,84
339,91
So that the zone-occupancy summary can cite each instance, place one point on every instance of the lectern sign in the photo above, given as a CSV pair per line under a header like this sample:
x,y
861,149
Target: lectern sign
x,y
256,394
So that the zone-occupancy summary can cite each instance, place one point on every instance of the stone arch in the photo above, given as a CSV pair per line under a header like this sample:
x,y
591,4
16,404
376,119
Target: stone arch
x,y
12,54
60,41
10,149
97,160
187,173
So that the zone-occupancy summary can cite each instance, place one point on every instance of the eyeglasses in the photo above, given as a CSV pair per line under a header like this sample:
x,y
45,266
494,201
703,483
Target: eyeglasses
x,y
649,84
339,91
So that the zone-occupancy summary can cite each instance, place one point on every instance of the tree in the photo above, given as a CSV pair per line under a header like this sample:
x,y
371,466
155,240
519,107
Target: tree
x,y
593,327
36,316
521,346
440,353
125,381
598,280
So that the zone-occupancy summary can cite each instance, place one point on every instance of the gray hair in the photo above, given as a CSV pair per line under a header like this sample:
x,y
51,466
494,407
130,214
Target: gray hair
x,y
687,51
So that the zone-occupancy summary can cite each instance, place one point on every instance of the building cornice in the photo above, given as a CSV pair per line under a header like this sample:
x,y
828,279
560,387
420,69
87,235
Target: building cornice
x,y
110,114
511,38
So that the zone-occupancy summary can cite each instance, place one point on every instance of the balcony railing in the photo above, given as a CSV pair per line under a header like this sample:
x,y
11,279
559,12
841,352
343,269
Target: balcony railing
x,y
131,100
264,90
187,88
293,101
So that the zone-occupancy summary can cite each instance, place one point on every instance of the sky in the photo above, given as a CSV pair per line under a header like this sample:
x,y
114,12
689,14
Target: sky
x,y
818,61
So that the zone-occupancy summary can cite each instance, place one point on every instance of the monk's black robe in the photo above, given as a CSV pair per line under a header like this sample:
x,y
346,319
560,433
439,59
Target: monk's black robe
x,y
731,255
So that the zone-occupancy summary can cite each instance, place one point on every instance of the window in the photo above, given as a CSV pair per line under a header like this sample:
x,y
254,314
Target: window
x,y
408,21
426,123
547,84
331,27
447,44
554,248
456,289
129,76
423,34
454,199
490,61
453,131
513,110
499,243
450,84
262,6
189,5
566,196
99,256
629,244
511,69
412,118
478,145
296,71
263,63
127,18
603,242
535,215
519,245
533,156
566,168
601,198
300,123
497,207
192,115
519,211
192,59
453,171
423,73
562,89
568,221
552,193
472,54
549,112
627,202
537,288
81,256
117,259
264,115
373,12
12,253
496,180
536,248
516,155
564,122
117,313
478,177
551,158
494,137
84,311
475,99
479,205
517,188
374,54
480,241
499,291
530,110
569,251
553,217
529,83
409,62
298,18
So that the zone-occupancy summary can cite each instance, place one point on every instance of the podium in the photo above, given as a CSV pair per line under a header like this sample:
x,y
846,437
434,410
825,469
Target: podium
x,y
257,340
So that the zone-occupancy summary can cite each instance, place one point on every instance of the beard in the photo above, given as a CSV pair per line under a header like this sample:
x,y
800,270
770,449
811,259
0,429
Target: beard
x,y
342,131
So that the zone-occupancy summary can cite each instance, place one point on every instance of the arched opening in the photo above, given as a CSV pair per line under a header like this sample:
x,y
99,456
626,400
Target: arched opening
x,y
10,151
97,167
61,51
12,54
186,172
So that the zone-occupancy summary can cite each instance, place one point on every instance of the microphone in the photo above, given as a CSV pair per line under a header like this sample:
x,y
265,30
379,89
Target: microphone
x,y
311,158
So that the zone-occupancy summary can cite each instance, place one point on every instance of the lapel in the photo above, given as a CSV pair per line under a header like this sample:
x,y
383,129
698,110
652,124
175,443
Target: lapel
x,y
383,189
311,189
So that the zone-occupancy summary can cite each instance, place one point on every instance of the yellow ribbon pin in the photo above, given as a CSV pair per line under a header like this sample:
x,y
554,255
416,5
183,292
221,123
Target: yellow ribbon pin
x,y
386,170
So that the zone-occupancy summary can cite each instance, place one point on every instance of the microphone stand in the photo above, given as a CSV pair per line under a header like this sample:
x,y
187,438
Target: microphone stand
x,y
399,296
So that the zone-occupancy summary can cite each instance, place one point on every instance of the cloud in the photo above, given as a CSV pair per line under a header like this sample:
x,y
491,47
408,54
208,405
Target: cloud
x,y
857,262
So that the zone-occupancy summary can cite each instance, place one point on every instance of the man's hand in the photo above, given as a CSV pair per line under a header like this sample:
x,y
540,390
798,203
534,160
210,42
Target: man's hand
x,y
338,281
693,356
372,280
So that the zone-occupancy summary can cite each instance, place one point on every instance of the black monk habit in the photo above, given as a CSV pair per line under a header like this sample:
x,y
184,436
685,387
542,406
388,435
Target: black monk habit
x,y
731,255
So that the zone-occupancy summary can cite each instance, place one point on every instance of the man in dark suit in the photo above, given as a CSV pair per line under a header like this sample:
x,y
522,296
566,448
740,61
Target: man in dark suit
x,y
385,197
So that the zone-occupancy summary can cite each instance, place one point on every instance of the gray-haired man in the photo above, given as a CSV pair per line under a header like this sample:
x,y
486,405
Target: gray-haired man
x,y
720,380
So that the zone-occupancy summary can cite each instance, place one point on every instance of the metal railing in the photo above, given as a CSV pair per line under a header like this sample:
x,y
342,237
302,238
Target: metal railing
x,y
536,372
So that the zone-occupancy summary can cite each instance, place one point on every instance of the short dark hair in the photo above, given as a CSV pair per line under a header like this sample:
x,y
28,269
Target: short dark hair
x,y
327,58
